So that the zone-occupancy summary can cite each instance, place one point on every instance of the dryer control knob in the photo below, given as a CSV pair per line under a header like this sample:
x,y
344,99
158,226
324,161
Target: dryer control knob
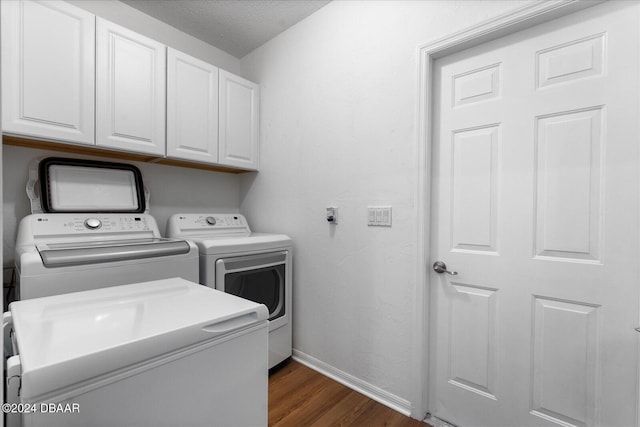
x,y
211,220
92,223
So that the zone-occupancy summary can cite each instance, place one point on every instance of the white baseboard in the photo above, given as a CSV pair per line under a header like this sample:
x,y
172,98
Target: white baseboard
x,y
379,395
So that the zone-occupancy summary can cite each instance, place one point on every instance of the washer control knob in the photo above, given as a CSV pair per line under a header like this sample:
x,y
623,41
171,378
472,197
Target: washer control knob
x,y
211,220
92,223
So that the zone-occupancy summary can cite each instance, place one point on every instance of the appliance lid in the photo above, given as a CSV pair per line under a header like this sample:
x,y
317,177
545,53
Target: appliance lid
x,y
71,339
211,245
69,185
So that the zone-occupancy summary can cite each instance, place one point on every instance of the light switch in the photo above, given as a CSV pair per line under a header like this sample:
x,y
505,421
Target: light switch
x,y
379,216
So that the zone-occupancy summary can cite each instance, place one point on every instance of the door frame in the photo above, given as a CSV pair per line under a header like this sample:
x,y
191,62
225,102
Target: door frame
x,y
511,22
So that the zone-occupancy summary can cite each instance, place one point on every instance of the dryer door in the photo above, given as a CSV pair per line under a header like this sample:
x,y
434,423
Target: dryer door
x,y
260,278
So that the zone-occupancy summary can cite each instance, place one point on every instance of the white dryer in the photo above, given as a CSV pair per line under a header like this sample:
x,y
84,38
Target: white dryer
x,y
255,266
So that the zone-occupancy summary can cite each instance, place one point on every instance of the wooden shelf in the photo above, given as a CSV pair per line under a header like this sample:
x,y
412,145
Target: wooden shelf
x,y
119,155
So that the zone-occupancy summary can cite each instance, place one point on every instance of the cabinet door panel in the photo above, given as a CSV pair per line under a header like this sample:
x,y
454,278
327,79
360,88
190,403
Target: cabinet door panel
x,y
130,90
48,70
192,108
239,119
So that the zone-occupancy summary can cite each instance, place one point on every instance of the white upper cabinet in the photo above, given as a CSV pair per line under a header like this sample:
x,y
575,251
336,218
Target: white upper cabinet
x,y
192,108
69,76
130,90
238,137
48,70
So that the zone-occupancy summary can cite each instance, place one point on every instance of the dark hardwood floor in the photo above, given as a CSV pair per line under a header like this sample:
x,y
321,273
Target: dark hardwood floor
x,y
302,397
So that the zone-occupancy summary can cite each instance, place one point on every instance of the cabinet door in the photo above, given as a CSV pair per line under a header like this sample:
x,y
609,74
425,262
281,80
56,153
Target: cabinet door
x,y
192,108
130,82
48,70
238,138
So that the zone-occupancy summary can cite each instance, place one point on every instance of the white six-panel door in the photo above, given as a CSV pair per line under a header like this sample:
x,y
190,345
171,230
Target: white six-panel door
x,y
536,196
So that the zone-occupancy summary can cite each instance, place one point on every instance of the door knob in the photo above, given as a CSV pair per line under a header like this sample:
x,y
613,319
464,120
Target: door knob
x,y
440,267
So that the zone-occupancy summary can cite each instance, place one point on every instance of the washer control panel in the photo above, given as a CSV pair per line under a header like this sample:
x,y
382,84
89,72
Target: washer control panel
x,y
213,221
76,224
209,223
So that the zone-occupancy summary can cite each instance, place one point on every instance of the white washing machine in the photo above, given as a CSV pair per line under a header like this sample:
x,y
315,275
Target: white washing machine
x,y
89,229
60,253
255,266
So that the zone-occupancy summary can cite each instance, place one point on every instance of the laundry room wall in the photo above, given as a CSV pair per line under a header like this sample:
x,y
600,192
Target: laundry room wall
x,y
173,189
338,128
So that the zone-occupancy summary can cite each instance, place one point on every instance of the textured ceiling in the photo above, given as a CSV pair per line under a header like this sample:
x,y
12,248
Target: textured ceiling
x,y
234,26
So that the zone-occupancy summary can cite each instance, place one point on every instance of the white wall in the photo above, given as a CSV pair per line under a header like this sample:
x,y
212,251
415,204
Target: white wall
x,y
338,126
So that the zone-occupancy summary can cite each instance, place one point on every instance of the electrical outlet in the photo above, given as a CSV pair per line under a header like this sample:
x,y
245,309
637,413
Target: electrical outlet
x,y
332,215
379,216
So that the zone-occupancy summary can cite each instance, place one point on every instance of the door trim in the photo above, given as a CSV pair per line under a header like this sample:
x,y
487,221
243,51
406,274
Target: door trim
x,y
500,26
